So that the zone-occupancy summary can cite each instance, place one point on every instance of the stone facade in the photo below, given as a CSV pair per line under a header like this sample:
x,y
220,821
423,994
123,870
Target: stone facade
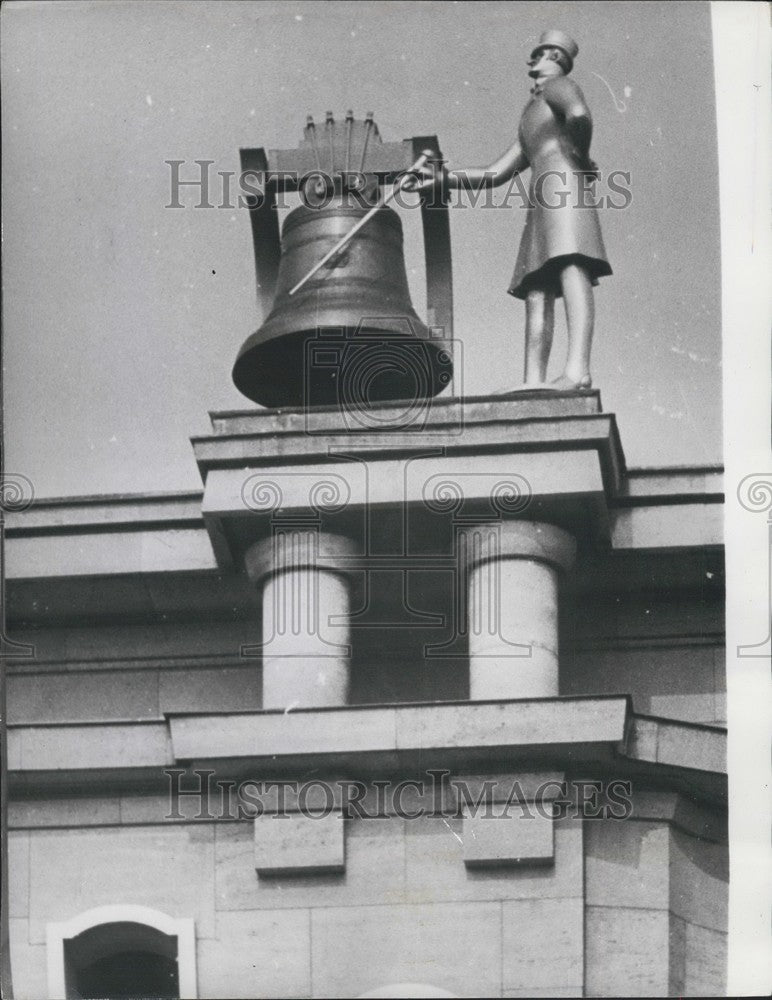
x,y
579,644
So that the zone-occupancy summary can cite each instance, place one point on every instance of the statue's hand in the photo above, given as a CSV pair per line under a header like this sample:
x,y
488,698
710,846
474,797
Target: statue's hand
x,y
426,177
588,167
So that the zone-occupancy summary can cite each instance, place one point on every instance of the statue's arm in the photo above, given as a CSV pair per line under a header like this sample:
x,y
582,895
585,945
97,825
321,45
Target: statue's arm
x,y
567,101
512,162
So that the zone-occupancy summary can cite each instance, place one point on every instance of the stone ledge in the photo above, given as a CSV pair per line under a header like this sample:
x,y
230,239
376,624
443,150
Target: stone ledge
x,y
403,479
107,511
538,723
676,483
110,552
676,526
465,737
82,747
678,744
546,431
444,410
560,444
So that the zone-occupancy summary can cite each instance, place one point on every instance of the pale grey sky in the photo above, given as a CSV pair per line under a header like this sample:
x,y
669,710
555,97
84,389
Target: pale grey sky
x,y
122,318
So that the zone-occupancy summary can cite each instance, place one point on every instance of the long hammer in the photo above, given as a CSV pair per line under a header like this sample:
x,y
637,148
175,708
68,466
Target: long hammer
x,y
427,155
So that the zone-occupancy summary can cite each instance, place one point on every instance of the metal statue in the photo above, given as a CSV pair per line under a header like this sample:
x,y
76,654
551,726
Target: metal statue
x,y
561,251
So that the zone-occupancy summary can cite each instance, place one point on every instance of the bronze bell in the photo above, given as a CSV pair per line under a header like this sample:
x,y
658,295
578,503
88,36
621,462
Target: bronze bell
x,y
350,336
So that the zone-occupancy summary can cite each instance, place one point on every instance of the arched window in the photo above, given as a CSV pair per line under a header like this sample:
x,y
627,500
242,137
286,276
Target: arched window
x,y
119,952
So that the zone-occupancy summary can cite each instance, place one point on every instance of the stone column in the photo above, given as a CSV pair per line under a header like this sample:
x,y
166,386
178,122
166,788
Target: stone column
x,y
512,573
306,655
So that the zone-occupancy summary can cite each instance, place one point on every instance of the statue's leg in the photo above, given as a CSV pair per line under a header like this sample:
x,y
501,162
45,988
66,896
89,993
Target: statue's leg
x,y
580,316
539,326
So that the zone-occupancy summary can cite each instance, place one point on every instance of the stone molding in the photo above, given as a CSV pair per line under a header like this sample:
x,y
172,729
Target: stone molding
x,y
520,540
330,553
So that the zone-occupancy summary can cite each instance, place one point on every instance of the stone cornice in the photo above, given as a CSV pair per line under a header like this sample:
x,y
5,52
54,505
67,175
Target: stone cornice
x,y
593,733
561,445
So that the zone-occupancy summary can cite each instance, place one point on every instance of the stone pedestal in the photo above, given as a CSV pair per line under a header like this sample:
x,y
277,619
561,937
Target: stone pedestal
x,y
306,651
512,575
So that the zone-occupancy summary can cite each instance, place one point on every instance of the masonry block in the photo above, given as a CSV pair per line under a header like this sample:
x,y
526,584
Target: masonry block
x,y
626,864
18,874
699,877
626,952
79,697
257,954
454,947
28,963
523,839
435,871
375,870
223,689
543,947
66,812
677,957
166,867
706,962
549,993
299,843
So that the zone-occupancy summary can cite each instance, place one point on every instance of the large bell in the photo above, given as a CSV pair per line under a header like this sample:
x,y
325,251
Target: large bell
x,y
350,335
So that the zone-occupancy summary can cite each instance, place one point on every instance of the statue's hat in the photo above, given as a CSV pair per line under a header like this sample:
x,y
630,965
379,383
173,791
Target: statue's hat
x,y
555,39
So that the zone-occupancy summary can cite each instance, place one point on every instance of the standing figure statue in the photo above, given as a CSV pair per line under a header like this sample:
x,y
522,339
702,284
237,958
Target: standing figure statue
x,y
562,251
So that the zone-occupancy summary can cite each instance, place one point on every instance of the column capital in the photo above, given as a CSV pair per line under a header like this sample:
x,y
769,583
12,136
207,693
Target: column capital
x,y
492,540
294,547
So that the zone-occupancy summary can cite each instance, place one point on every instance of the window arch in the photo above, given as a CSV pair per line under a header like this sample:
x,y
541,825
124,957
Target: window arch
x,y
122,951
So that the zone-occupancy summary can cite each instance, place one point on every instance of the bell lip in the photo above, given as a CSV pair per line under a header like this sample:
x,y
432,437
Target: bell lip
x,y
260,355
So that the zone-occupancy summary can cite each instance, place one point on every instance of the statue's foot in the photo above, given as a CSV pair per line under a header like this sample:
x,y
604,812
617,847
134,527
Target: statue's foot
x,y
565,383
531,387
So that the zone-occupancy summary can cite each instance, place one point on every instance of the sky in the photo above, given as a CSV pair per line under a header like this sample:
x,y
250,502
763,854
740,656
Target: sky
x,y
122,317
